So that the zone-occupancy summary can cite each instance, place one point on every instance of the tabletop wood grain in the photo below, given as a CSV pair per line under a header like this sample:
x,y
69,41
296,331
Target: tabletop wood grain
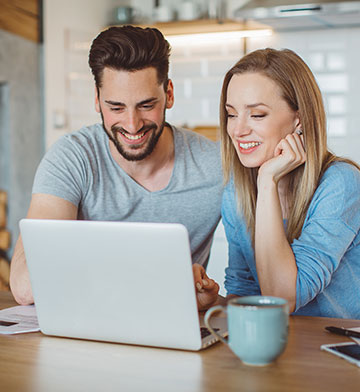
x,y
38,363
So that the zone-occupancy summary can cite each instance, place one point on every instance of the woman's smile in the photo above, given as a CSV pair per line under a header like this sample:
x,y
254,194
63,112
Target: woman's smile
x,y
248,147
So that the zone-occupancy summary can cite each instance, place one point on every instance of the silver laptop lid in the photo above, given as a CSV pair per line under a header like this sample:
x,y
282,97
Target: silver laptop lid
x,y
113,281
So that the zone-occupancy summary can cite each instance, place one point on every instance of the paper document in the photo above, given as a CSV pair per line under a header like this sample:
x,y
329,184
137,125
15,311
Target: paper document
x,y
357,329
18,319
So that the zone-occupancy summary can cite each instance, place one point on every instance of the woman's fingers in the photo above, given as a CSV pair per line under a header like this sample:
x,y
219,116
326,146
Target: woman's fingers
x,y
297,148
295,154
299,139
285,149
288,155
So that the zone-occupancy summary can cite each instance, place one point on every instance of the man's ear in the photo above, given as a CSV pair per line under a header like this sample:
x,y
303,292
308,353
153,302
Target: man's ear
x,y
97,102
170,95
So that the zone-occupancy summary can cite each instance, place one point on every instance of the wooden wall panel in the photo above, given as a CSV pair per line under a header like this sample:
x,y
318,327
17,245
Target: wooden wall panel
x,y
21,17
210,131
31,6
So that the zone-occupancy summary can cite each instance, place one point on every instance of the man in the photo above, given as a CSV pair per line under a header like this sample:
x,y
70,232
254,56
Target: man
x,y
135,166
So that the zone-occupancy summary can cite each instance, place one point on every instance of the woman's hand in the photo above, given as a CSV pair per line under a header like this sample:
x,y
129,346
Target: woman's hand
x,y
289,154
275,260
206,289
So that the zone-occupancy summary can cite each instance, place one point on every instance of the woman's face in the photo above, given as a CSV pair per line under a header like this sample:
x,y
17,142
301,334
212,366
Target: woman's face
x,y
258,117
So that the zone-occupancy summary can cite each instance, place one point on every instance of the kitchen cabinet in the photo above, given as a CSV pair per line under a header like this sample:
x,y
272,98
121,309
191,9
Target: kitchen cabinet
x,y
21,17
203,26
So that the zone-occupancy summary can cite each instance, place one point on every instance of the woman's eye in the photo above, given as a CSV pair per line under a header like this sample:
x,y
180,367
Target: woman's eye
x,y
258,115
230,115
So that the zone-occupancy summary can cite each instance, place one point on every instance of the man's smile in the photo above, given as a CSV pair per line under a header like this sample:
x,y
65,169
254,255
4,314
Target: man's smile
x,y
133,137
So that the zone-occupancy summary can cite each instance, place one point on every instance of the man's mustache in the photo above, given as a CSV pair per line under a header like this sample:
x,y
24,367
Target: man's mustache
x,y
143,129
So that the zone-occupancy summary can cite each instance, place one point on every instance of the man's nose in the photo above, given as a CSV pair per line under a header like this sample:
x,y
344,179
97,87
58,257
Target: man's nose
x,y
132,122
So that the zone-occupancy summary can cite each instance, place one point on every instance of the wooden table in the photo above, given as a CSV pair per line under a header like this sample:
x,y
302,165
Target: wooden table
x,y
38,363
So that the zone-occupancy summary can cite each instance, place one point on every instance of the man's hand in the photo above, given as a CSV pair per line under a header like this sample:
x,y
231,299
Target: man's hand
x,y
206,289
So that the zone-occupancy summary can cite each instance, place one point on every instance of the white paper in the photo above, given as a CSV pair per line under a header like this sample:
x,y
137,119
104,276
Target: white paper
x,y
23,317
357,340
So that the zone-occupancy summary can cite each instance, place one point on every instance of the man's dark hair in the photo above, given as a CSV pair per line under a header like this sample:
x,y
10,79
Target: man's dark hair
x,y
130,49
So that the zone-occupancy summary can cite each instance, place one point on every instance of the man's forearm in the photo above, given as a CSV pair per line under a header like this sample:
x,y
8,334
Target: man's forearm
x,y
19,276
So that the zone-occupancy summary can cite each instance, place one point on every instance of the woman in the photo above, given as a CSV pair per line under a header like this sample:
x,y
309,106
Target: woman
x,y
291,209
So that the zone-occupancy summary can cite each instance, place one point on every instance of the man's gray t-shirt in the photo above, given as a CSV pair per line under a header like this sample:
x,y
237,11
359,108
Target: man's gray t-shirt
x,y
80,168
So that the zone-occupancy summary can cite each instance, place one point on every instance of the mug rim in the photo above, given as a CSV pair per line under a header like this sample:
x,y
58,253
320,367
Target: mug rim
x,y
281,301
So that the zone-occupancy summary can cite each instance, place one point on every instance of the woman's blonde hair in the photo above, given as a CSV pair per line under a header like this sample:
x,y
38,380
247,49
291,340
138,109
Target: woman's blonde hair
x,y
302,94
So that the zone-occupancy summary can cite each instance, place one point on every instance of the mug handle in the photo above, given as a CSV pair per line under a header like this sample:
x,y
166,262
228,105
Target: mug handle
x,y
207,317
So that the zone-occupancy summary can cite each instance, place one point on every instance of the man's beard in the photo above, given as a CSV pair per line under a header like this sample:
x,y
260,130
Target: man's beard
x,y
147,149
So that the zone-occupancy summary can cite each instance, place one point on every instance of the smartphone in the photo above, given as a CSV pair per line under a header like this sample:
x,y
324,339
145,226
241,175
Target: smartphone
x,y
348,351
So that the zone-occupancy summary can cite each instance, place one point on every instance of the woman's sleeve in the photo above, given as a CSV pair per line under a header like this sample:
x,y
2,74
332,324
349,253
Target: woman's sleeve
x,y
239,279
331,224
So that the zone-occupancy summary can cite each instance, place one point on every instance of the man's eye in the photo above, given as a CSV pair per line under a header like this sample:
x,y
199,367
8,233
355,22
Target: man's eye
x,y
147,107
115,109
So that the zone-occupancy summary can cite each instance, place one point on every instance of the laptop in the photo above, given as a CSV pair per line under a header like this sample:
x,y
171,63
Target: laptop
x,y
119,282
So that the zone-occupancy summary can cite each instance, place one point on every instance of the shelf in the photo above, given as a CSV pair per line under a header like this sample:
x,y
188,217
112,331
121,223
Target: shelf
x,y
205,26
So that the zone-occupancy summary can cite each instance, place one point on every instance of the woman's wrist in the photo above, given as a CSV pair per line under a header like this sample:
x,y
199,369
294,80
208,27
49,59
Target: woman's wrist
x,y
266,181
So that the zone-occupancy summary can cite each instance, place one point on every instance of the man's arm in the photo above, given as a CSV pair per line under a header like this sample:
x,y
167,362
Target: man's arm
x,y
42,206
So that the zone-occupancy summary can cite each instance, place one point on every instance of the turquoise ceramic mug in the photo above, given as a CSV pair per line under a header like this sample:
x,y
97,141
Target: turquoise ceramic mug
x,y
258,327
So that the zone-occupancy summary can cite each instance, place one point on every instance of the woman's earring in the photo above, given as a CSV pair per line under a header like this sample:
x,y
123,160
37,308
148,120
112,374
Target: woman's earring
x,y
299,131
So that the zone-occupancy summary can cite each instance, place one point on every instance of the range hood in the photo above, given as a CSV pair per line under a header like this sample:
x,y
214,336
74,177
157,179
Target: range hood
x,y
299,15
